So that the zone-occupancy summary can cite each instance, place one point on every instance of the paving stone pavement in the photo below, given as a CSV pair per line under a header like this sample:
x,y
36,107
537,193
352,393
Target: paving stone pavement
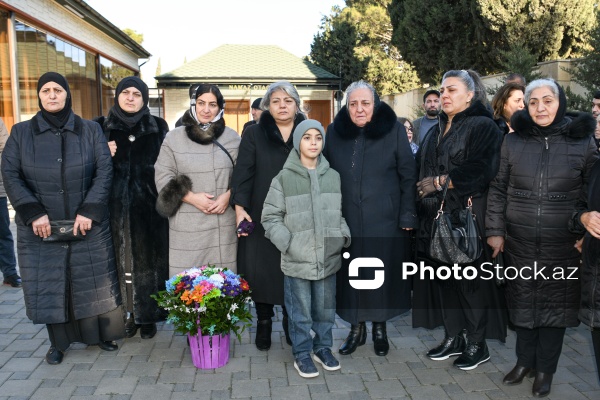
x,y
161,368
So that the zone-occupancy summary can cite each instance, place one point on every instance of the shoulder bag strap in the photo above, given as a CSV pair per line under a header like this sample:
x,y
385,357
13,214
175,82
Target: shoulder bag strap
x,y
225,150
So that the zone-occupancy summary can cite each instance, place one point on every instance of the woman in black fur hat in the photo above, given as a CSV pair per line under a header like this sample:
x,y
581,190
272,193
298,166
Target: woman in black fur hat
x,y
140,235
193,176
534,208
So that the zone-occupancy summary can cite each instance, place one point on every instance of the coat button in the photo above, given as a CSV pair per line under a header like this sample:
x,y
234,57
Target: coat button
x,y
65,246
59,159
61,191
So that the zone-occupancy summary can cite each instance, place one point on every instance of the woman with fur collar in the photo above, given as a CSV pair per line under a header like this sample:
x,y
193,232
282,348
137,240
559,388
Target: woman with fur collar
x,y
264,149
139,234
370,150
534,216
463,152
193,175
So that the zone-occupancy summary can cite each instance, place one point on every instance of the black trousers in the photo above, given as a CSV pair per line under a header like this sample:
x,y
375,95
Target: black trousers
x,y
596,342
463,309
539,348
265,311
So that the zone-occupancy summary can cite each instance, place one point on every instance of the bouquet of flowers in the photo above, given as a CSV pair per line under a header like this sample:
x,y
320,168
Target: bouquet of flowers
x,y
207,300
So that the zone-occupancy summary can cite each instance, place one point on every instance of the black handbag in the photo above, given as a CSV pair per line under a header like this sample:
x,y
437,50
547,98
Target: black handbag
x,y
62,231
455,243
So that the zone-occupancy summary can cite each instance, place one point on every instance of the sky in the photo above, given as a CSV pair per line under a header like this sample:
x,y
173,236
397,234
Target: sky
x,y
176,30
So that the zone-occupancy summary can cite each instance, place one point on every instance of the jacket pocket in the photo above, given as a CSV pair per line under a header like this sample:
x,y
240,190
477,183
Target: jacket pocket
x,y
333,243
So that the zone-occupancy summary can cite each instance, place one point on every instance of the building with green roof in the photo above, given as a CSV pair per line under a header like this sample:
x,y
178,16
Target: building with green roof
x,y
243,73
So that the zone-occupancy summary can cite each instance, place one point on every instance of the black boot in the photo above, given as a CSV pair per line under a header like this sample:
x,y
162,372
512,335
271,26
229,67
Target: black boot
x,y
450,346
148,331
475,354
54,356
131,327
542,384
286,329
263,334
380,340
356,337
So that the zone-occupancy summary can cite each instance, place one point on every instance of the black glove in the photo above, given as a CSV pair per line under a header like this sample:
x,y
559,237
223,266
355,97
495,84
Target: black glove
x,y
425,187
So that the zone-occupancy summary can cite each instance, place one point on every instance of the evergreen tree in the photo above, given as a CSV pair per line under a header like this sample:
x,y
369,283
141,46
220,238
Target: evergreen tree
x,y
137,37
356,43
587,72
435,36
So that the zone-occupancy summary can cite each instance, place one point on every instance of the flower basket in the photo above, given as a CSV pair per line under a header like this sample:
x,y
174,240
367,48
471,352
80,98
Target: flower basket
x,y
207,303
209,352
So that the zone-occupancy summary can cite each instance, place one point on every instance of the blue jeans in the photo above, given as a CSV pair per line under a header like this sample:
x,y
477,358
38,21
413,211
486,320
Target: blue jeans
x,y
8,264
310,305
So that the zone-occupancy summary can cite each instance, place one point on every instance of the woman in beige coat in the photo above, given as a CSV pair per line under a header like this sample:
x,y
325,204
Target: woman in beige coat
x,y
193,174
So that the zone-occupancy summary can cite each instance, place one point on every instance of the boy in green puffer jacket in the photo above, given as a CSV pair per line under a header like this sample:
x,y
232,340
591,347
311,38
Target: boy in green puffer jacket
x,y
302,216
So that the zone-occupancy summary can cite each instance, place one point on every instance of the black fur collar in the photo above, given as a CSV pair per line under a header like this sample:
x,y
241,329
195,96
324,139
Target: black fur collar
x,y
576,125
267,122
198,135
477,109
146,125
382,122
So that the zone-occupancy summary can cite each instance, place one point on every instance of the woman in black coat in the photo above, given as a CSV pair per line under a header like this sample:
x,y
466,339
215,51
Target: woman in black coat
x,y
263,151
589,313
462,152
55,167
534,206
139,232
369,148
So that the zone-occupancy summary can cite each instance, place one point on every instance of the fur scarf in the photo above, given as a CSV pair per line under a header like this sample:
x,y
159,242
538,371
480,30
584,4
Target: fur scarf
x,y
382,122
197,135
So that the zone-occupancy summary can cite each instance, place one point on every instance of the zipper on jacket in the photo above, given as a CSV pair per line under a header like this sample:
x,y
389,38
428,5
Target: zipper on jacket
x,y
538,229
63,140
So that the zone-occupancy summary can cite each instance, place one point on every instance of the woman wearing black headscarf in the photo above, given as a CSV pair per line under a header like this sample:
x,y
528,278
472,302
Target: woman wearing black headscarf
x,y
140,234
56,167
534,207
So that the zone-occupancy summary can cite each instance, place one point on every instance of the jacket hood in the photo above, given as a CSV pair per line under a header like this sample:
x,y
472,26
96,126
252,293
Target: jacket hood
x,y
196,134
294,164
382,122
576,125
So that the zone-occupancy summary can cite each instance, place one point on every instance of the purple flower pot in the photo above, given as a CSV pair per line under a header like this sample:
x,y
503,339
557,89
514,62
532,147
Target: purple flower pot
x,y
209,352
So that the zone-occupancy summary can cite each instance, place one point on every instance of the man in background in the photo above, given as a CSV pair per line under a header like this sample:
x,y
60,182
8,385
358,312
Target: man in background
x,y
256,113
432,106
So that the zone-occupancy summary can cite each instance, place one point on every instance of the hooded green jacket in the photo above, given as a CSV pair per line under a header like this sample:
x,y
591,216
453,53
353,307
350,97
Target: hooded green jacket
x,y
302,216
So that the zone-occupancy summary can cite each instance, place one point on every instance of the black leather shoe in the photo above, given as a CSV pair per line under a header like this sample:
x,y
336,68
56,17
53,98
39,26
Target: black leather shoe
x,y
263,334
12,280
54,356
475,354
515,377
131,327
147,331
450,346
380,340
542,384
286,329
108,346
356,337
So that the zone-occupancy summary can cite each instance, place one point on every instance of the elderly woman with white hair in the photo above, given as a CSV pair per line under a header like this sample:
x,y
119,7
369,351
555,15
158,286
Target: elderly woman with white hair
x,y
535,205
263,151
370,150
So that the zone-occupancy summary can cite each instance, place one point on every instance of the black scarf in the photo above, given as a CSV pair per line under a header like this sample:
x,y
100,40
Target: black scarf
x,y
558,122
131,119
60,118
